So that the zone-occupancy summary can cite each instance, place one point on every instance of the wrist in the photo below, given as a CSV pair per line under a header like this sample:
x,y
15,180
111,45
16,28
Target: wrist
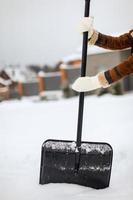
x,y
93,38
102,80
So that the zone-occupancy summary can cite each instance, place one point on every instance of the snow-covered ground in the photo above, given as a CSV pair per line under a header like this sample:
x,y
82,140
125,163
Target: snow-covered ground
x,y
24,125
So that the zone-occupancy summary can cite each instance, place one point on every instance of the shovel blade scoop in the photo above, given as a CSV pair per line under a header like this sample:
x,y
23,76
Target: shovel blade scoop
x,y
58,160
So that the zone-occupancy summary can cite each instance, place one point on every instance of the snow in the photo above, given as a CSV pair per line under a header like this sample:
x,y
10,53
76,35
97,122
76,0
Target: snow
x,y
71,147
100,148
26,124
61,146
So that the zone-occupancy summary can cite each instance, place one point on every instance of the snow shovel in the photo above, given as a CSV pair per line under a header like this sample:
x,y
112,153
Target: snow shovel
x,y
83,163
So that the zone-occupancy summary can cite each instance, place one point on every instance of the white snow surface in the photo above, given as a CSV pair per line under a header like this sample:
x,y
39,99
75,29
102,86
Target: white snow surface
x,y
25,125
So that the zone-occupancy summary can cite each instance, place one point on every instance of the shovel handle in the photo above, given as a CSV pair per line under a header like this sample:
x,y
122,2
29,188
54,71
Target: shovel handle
x,y
83,73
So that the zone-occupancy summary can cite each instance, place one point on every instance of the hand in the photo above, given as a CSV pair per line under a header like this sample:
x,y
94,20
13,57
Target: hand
x,y
84,84
86,25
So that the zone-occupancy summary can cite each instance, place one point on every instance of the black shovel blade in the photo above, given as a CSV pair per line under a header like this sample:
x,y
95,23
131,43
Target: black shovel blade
x,y
58,163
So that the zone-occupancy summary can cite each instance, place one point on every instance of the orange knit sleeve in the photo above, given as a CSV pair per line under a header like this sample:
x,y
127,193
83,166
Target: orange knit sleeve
x,y
115,43
120,71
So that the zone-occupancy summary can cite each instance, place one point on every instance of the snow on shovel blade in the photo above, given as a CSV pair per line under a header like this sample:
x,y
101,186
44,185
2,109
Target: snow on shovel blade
x,y
58,163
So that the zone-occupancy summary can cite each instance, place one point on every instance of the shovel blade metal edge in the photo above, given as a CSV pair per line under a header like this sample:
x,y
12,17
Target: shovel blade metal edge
x,y
58,163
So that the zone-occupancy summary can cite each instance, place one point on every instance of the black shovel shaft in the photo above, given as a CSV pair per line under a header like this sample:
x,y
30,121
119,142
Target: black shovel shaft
x,y
83,73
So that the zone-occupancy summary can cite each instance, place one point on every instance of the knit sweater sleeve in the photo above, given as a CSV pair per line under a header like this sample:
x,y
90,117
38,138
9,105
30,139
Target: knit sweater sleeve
x,y
115,43
120,71
116,73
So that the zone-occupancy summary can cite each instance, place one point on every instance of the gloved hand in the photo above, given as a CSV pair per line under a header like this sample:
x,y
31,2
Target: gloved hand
x,y
84,84
86,25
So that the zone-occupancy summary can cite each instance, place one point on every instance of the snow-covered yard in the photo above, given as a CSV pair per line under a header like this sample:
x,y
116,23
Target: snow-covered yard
x,y
24,125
